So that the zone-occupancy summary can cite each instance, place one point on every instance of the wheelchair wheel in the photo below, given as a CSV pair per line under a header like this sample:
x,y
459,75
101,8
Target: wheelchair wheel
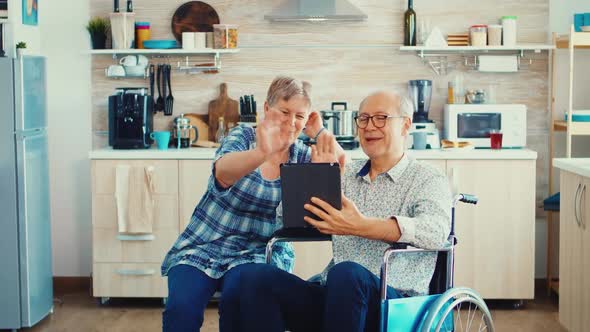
x,y
458,309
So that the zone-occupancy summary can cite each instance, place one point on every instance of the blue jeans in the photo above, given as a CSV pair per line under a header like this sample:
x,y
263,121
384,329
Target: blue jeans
x,y
189,291
274,300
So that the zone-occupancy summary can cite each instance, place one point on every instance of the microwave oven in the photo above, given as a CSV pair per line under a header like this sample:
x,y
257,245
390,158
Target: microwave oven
x,y
473,122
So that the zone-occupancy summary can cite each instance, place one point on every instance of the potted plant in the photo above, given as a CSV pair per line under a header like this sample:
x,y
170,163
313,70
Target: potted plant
x,y
20,48
98,28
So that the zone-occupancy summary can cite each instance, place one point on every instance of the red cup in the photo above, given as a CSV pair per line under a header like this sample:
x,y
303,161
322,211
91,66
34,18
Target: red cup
x,y
496,139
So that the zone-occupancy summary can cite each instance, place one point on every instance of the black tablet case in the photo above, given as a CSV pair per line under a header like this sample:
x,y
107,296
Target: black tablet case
x,y
301,182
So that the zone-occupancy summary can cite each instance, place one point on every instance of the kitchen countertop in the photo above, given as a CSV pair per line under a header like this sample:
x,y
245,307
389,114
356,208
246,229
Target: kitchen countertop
x,y
580,166
208,153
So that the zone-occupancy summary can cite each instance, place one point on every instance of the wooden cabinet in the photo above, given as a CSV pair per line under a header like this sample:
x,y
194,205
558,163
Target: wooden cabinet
x,y
194,178
495,254
495,251
585,259
574,252
129,264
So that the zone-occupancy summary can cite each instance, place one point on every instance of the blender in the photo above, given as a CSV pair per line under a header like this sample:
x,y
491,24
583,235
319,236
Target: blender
x,y
420,92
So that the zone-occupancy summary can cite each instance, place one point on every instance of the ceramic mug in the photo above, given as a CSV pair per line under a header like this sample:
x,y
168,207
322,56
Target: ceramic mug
x,y
188,40
162,139
115,71
200,39
134,60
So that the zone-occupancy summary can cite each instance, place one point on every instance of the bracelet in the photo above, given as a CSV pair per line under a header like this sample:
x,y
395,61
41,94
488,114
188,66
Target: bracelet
x,y
318,134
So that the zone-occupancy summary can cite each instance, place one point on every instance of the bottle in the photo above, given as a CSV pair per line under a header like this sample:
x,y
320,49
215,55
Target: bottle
x,y
220,135
410,25
451,93
129,6
116,6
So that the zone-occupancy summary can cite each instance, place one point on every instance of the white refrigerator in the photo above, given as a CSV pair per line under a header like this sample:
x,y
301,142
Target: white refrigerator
x,y
26,287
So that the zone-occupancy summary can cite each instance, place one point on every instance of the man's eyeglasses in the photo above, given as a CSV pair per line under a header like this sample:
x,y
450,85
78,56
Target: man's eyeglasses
x,y
379,121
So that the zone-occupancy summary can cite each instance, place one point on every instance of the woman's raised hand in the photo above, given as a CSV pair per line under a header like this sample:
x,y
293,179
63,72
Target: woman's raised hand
x,y
313,124
325,150
268,134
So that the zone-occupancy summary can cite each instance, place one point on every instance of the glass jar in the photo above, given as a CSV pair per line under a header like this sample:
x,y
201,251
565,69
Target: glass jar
x,y
225,36
509,30
479,35
494,35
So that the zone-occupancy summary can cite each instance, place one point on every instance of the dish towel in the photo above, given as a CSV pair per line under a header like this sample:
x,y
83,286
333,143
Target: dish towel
x,y
134,197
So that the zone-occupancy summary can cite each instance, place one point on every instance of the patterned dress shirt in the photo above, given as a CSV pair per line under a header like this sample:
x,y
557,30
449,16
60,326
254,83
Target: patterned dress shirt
x,y
418,196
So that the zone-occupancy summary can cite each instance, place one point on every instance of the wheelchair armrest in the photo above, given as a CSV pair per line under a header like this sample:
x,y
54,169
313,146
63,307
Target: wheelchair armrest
x,y
301,233
399,248
294,235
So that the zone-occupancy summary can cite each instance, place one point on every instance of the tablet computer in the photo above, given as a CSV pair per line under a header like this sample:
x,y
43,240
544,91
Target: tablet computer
x,y
301,182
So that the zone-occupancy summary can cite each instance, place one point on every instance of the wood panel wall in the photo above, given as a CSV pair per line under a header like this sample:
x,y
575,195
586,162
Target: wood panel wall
x,y
344,61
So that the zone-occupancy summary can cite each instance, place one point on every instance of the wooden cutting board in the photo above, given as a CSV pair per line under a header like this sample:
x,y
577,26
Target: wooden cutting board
x,y
224,107
193,16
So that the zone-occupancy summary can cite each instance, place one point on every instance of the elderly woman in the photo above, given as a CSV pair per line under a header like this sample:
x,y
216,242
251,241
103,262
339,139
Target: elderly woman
x,y
236,217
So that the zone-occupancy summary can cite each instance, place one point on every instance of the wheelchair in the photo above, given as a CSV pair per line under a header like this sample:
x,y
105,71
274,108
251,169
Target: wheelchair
x,y
446,308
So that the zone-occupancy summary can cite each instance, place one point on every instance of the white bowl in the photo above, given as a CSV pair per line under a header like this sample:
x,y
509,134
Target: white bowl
x,y
585,28
135,71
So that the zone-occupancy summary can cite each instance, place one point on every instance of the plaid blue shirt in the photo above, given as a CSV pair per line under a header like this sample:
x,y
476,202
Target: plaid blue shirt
x,y
231,226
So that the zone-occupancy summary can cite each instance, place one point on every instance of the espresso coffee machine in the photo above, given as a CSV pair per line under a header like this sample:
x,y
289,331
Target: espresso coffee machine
x,y
131,118
420,92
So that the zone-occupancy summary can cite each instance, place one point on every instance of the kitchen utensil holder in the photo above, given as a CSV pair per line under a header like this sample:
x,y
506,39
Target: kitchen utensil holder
x,y
523,63
439,63
188,66
191,67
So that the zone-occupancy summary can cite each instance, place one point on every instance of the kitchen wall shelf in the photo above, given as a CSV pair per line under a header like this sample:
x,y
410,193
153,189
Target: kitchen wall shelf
x,y
437,57
563,42
168,52
187,66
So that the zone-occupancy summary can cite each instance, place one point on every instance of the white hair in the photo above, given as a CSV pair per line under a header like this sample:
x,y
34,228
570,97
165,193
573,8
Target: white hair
x,y
405,107
284,87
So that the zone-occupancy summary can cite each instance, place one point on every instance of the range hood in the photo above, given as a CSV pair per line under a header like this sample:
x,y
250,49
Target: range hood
x,y
316,10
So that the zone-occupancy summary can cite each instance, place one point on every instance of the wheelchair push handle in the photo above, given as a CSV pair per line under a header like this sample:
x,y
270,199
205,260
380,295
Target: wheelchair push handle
x,y
466,198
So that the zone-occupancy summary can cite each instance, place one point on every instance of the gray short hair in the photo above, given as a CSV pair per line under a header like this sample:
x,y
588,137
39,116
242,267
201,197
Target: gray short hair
x,y
284,87
405,107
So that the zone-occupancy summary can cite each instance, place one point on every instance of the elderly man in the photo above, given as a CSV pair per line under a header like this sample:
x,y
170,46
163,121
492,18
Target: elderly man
x,y
388,198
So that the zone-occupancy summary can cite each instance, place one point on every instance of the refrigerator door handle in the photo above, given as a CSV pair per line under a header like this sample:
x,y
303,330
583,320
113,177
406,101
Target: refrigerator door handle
x,y
23,134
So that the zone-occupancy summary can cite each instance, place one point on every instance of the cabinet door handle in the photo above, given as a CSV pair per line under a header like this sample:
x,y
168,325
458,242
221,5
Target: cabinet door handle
x,y
127,272
576,204
582,220
138,237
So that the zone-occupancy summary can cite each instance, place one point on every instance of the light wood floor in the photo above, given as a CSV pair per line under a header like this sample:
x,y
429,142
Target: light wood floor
x,y
79,312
